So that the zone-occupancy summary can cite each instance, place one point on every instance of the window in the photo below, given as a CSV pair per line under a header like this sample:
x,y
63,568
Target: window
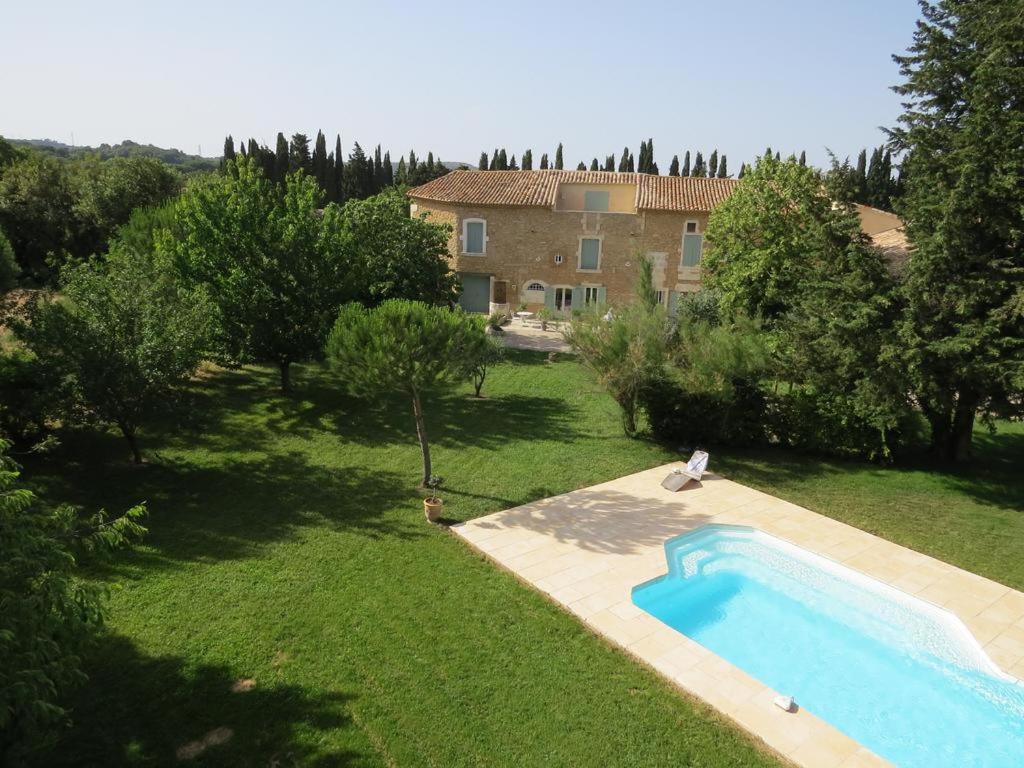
x,y
591,295
590,253
661,297
693,244
535,287
594,200
474,236
563,298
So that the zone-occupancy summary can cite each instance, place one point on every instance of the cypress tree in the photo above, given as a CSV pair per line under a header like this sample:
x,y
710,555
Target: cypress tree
x,y
512,165
242,149
339,171
558,157
482,164
713,164
298,153
723,169
378,170
609,163
652,167
768,153
582,166
631,166
319,161
803,157
641,158
528,160
743,170
544,161
402,175
330,190
624,160
699,169
413,164
885,195
254,148
593,165
686,164
778,156
494,161
389,170
861,177
673,169
502,160
281,159
874,177
229,149
430,164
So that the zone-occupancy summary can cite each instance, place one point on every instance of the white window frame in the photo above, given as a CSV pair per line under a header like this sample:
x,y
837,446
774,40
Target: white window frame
x,y
682,244
465,237
528,289
591,295
579,253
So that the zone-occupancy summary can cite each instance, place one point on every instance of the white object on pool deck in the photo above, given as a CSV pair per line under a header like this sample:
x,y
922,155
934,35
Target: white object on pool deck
x,y
785,703
694,470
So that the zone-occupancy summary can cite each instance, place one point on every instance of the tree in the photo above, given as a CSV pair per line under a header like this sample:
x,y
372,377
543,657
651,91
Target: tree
x,y
686,165
594,166
673,169
127,335
502,160
402,346
280,159
609,164
624,160
339,172
528,160
494,161
378,169
359,174
544,161
713,164
558,157
699,169
402,174
8,266
963,330
276,268
398,256
37,213
802,161
49,611
480,358
318,163
298,154
582,166
512,165
645,291
229,149
631,166
723,168
482,165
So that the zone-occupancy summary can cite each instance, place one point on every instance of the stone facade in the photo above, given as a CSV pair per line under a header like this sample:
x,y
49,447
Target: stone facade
x,y
534,245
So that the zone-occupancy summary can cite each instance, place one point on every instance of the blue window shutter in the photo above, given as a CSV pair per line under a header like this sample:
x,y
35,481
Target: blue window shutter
x,y
673,302
577,297
590,253
474,237
595,200
692,246
602,295
549,298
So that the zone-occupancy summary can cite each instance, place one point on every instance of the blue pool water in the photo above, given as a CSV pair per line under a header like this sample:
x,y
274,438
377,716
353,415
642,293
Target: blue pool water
x,y
902,677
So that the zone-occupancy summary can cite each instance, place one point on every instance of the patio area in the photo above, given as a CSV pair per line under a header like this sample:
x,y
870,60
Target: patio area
x,y
587,549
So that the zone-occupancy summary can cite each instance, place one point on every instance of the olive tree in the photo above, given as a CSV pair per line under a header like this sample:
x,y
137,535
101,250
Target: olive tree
x,y
402,346
124,335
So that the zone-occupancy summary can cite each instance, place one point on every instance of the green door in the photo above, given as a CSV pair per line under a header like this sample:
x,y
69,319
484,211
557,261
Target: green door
x,y
476,292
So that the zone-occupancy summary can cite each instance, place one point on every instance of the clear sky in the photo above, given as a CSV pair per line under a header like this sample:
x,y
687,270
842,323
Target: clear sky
x,y
459,77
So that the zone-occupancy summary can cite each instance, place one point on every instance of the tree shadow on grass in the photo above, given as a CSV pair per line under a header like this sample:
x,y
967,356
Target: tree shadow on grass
x,y
144,710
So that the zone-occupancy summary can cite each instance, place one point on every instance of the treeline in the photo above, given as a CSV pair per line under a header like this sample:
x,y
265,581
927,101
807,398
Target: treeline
x,y
182,161
361,176
873,182
53,209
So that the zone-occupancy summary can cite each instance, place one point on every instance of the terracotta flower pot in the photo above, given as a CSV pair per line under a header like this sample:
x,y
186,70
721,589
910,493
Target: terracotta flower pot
x,y
432,508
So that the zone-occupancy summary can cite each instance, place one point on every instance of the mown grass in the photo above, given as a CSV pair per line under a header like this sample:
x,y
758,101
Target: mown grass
x,y
288,546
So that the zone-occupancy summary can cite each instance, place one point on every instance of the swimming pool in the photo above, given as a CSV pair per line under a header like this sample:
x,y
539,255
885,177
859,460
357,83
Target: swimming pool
x,y
904,678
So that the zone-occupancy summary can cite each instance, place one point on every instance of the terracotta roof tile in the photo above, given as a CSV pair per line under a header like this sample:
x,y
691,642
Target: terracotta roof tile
x,y
540,188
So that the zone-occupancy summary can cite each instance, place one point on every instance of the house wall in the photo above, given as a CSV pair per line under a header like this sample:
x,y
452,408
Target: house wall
x,y
523,243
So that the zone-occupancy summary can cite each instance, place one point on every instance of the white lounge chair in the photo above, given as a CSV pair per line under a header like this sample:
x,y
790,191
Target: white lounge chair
x,y
694,470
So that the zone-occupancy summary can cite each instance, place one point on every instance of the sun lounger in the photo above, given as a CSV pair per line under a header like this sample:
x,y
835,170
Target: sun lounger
x,y
694,470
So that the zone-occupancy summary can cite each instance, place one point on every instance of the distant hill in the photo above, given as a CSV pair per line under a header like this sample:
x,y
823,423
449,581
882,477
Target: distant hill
x,y
127,148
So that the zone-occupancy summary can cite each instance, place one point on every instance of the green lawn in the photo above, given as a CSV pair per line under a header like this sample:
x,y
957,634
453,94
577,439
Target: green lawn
x,y
288,545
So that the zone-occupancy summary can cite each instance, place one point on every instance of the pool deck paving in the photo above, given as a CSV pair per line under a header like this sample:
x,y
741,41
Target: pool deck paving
x,y
587,550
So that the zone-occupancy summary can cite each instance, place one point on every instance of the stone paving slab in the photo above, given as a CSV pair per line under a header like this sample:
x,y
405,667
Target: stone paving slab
x,y
587,550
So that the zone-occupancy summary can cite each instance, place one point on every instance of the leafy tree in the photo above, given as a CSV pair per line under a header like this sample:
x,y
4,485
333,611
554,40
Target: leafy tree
x,y
480,358
482,165
528,160
686,165
723,168
396,255
8,266
49,612
544,161
403,346
37,212
673,169
276,268
963,332
558,158
281,161
126,334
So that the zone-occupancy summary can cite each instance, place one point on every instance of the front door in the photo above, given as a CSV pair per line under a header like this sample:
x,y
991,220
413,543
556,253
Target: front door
x,y
563,299
476,292
501,292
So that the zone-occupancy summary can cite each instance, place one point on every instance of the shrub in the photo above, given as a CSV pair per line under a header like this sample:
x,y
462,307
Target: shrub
x,y
681,417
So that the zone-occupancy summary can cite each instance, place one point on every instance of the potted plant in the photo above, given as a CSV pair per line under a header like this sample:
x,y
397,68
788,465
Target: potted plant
x,y
545,316
433,504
